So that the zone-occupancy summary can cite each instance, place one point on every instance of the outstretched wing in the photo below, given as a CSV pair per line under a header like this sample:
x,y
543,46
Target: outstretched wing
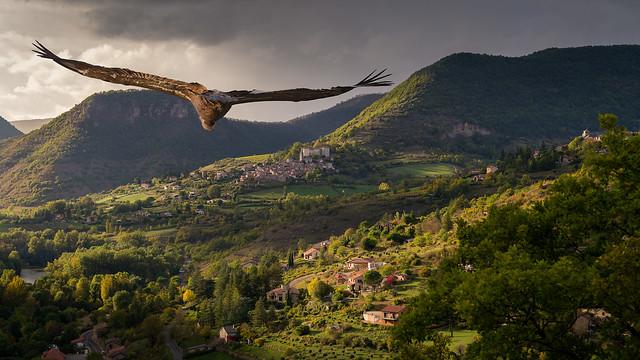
x,y
125,76
302,94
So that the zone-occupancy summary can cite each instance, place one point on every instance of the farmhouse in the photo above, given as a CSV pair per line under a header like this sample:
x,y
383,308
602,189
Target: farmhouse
x,y
491,169
373,317
588,321
283,294
53,354
117,353
359,263
228,333
356,281
311,254
314,251
391,313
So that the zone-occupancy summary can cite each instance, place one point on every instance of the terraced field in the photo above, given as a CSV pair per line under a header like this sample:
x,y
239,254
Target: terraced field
x,y
422,170
303,189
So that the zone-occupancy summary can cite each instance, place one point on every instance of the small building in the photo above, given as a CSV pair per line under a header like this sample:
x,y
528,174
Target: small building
x,y
359,263
491,169
400,277
309,154
228,333
373,317
588,320
117,353
283,294
311,254
392,313
566,159
112,343
53,354
356,281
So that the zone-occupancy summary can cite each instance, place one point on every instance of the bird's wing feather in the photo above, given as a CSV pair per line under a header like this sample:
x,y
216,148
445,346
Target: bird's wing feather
x,y
125,76
303,94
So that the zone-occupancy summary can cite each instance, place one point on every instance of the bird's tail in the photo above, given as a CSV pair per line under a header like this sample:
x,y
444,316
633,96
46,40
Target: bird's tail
x,y
375,79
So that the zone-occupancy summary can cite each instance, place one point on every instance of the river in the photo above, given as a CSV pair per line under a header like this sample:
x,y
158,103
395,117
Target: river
x,y
32,274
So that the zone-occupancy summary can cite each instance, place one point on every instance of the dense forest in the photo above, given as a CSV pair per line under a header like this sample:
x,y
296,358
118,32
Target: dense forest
x,y
536,270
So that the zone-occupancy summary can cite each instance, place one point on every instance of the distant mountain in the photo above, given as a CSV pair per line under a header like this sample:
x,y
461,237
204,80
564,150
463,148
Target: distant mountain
x,y
27,126
482,103
7,130
111,138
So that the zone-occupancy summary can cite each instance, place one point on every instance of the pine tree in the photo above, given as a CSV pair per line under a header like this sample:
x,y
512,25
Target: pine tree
x,y
290,259
259,315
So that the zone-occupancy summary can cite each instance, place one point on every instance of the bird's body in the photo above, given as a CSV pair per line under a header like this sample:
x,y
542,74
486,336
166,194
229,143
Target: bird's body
x,y
210,104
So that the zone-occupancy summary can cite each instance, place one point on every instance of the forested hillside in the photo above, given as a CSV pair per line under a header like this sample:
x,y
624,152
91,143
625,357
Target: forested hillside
x,y
483,103
111,138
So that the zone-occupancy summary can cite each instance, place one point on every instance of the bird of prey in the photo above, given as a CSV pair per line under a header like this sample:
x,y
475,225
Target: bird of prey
x,y
211,105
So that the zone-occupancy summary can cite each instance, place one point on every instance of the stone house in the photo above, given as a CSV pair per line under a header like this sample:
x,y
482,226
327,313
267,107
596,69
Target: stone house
x,y
283,294
359,263
355,280
228,333
391,313
311,254
372,317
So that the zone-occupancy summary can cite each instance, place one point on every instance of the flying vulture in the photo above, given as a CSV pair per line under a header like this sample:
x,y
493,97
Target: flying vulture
x,y
211,105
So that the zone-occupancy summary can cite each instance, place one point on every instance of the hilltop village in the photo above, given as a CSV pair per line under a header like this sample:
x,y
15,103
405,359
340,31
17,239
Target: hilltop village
x,y
311,159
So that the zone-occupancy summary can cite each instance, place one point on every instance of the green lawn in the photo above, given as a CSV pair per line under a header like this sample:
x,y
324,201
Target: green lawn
x,y
461,337
422,170
161,232
127,198
411,288
255,158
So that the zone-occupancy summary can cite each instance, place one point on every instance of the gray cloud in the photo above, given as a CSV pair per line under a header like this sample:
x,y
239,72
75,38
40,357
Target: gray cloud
x,y
286,43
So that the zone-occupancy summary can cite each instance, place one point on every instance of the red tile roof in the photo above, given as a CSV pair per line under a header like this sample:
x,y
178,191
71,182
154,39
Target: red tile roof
x,y
394,308
53,354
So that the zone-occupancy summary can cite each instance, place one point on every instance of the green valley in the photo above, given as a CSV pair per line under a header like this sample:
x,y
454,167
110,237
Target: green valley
x,y
463,215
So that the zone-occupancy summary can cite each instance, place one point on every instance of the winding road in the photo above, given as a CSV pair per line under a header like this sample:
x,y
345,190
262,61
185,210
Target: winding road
x,y
304,278
176,350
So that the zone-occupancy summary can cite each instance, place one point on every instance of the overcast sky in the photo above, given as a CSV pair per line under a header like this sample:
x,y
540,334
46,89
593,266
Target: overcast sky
x,y
267,45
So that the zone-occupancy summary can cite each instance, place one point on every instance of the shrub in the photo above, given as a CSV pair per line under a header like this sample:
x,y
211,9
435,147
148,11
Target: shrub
x,y
302,330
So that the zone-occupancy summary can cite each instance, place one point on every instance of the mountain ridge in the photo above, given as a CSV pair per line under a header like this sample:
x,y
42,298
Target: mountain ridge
x,y
27,126
7,130
111,138
484,103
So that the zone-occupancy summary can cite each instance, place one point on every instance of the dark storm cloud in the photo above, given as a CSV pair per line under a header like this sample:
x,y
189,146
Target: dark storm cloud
x,y
288,43
354,22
